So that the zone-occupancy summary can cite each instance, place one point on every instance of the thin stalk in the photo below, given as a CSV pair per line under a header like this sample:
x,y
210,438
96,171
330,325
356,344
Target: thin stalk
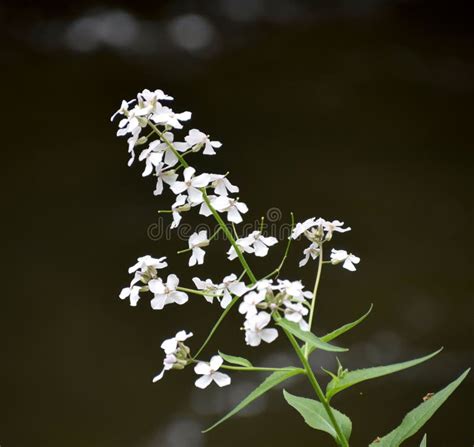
x,y
317,388
315,294
216,325
197,292
258,368
285,255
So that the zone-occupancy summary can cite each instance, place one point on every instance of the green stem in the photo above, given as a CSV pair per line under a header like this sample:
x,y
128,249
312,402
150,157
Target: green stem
x,y
317,388
197,292
315,293
216,325
257,368
218,218
227,232
285,255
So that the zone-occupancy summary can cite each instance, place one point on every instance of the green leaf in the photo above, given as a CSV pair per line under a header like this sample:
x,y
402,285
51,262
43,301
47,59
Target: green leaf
x,y
417,417
316,416
308,337
347,327
235,360
361,375
271,381
423,442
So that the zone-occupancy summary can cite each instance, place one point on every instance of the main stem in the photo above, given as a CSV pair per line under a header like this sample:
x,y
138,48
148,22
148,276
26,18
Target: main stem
x,y
317,388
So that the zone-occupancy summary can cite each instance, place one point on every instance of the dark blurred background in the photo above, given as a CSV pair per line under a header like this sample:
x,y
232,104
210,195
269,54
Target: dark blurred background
x,y
357,110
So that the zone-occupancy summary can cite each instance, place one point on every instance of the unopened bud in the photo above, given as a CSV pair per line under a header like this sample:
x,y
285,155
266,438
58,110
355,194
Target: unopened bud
x,y
141,140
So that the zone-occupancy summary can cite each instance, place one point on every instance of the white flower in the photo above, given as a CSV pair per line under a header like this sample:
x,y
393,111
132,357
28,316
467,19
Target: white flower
x,y
256,331
232,206
160,150
331,227
294,289
231,286
123,109
196,241
261,243
150,97
145,263
253,243
248,306
177,208
169,177
296,312
191,185
313,251
171,344
132,142
222,185
198,139
166,293
300,228
133,292
166,116
244,244
338,256
172,350
209,372
266,284
152,156
208,287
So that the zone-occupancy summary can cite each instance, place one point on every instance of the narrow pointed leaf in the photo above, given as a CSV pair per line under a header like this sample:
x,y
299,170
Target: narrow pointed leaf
x,y
316,417
271,381
361,375
417,417
423,442
235,360
308,337
347,327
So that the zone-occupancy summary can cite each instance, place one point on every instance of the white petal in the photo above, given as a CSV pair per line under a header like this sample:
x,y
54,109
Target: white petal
x,y
202,368
216,362
172,281
203,382
201,180
238,288
158,302
178,187
125,293
159,376
188,173
233,215
348,265
252,338
261,249
268,335
221,379
179,297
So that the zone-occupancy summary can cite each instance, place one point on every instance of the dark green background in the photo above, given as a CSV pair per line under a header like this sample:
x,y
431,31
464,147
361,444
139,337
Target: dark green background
x,y
361,114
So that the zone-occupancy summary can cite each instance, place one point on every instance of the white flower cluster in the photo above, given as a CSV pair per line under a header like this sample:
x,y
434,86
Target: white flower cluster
x,y
177,356
267,297
146,272
165,156
318,231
